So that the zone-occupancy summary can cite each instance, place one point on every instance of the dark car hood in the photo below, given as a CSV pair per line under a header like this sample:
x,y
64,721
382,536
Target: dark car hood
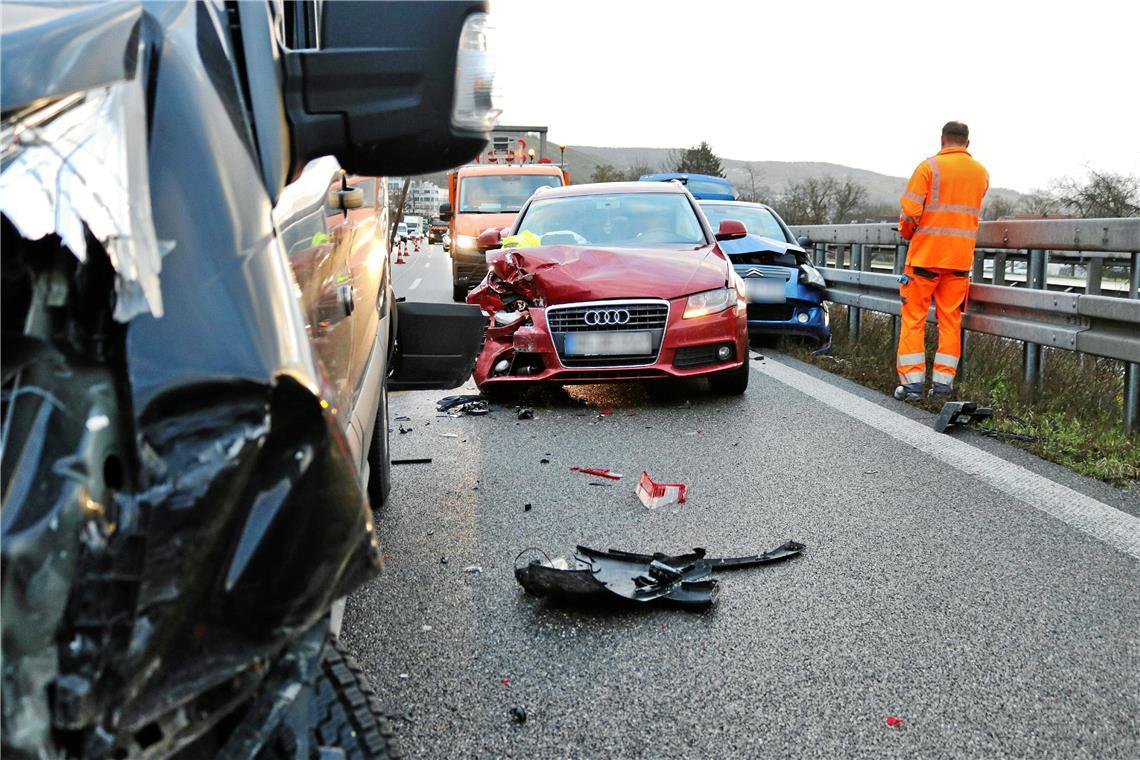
x,y
568,273
755,249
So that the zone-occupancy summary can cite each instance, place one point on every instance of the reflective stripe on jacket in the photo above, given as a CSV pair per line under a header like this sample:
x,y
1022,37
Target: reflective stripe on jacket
x,y
941,208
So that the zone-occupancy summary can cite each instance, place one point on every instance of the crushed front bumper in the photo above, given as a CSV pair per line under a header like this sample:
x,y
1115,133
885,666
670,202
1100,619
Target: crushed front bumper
x,y
686,348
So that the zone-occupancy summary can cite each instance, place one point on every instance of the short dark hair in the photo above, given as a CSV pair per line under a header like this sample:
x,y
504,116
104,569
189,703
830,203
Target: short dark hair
x,y
956,131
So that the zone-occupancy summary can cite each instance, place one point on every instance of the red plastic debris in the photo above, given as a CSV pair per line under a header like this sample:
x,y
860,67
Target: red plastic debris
x,y
600,472
894,722
654,495
605,412
506,682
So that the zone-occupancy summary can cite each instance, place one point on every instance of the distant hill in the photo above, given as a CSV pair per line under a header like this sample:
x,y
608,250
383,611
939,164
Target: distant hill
x,y
581,160
881,188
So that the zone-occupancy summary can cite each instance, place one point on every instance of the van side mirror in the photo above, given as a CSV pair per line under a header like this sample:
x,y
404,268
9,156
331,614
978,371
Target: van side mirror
x,y
445,211
395,89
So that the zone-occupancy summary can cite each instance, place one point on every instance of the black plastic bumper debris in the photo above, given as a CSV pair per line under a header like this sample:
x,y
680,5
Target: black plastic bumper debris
x,y
599,576
956,413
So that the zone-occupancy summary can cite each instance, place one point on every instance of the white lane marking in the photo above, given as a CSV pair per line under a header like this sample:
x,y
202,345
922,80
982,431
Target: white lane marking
x,y
427,265
415,283
1104,523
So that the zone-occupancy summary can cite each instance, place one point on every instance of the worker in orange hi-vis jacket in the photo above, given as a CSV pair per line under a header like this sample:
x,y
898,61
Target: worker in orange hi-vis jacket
x,y
941,208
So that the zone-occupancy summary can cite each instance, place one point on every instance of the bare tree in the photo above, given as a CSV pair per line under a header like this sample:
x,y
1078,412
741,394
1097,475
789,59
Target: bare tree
x,y
638,170
607,173
997,207
1038,202
1100,194
848,199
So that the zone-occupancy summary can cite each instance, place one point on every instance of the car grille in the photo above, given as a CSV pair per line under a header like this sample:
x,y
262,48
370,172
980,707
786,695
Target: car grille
x,y
771,312
642,316
766,270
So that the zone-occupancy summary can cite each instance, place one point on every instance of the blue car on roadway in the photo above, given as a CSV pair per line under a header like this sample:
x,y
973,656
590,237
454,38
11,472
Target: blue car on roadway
x,y
785,292
702,186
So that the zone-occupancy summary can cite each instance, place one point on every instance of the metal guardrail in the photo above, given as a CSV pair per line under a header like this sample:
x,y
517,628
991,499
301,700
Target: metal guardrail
x,y
1099,325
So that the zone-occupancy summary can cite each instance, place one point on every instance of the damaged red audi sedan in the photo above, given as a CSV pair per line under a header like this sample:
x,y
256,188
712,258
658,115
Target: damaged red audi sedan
x,y
610,282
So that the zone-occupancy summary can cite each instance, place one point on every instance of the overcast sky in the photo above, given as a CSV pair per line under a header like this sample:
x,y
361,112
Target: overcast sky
x,y
1045,87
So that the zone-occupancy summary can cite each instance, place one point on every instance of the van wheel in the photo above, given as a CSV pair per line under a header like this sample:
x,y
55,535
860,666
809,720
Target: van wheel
x,y
349,717
379,458
733,382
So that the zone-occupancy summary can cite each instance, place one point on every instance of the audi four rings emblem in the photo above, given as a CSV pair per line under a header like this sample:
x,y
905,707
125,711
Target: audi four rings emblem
x,y
606,317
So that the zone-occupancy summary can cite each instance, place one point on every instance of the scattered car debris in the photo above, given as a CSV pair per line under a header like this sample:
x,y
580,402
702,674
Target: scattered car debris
x,y
544,460
404,430
605,412
698,431
654,495
443,560
955,413
456,406
403,418
758,358
894,722
518,714
600,483
449,435
420,460
596,576
600,472
1011,436
425,628
449,402
526,507
472,569
526,414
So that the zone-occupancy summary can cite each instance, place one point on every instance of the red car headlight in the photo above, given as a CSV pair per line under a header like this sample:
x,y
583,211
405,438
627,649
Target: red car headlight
x,y
709,302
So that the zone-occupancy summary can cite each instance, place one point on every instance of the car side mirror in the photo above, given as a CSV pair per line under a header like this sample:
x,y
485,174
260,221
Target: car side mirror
x,y
490,239
731,229
445,211
803,242
394,89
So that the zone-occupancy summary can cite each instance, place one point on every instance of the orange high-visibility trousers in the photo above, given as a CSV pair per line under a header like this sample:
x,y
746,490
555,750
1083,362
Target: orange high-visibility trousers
x,y
948,288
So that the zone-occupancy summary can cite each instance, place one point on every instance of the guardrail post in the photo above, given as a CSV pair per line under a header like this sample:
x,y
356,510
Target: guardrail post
x,y
999,268
1035,277
839,256
899,268
854,314
820,252
1131,370
1095,276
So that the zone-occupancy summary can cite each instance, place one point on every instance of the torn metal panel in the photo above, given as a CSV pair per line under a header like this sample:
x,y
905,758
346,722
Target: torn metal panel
x,y
79,164
597,576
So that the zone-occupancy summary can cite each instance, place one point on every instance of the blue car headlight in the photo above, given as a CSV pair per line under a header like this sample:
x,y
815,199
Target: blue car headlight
x,y
809,275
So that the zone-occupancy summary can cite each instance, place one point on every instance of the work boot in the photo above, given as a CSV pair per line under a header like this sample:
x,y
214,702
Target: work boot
x,y
940,390
909,392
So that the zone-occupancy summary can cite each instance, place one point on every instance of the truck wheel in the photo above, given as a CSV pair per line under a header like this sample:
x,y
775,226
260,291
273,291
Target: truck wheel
x,y
349,717
731,382
459,293
379,458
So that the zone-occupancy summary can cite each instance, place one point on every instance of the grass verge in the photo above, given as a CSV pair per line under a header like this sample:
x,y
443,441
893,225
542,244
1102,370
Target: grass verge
x,y
1075,419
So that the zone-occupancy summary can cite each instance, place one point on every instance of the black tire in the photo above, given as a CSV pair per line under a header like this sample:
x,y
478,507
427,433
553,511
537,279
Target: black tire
x,y
379,458
459,293
733,382
349,717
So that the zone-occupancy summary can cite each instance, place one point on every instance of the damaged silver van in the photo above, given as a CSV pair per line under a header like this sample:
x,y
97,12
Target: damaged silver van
x,y
199,333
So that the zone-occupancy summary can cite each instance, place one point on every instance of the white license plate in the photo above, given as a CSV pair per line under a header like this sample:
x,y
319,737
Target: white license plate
x,y
765,290
609,344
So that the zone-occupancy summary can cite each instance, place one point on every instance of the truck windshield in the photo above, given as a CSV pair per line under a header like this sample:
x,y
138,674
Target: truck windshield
x,y
500,193
615,219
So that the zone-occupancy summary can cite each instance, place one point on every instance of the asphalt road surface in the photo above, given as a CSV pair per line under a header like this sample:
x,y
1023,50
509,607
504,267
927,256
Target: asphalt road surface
x,y
987,599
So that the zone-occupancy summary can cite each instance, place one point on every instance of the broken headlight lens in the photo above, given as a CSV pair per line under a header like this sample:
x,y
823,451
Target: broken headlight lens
x,y
709,302
809,275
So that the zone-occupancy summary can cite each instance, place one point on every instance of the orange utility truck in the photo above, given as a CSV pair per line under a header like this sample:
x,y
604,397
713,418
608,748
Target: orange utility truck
x,y
488,194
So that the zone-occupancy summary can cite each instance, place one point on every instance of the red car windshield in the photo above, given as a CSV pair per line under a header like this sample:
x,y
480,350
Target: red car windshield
x,y
615,219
